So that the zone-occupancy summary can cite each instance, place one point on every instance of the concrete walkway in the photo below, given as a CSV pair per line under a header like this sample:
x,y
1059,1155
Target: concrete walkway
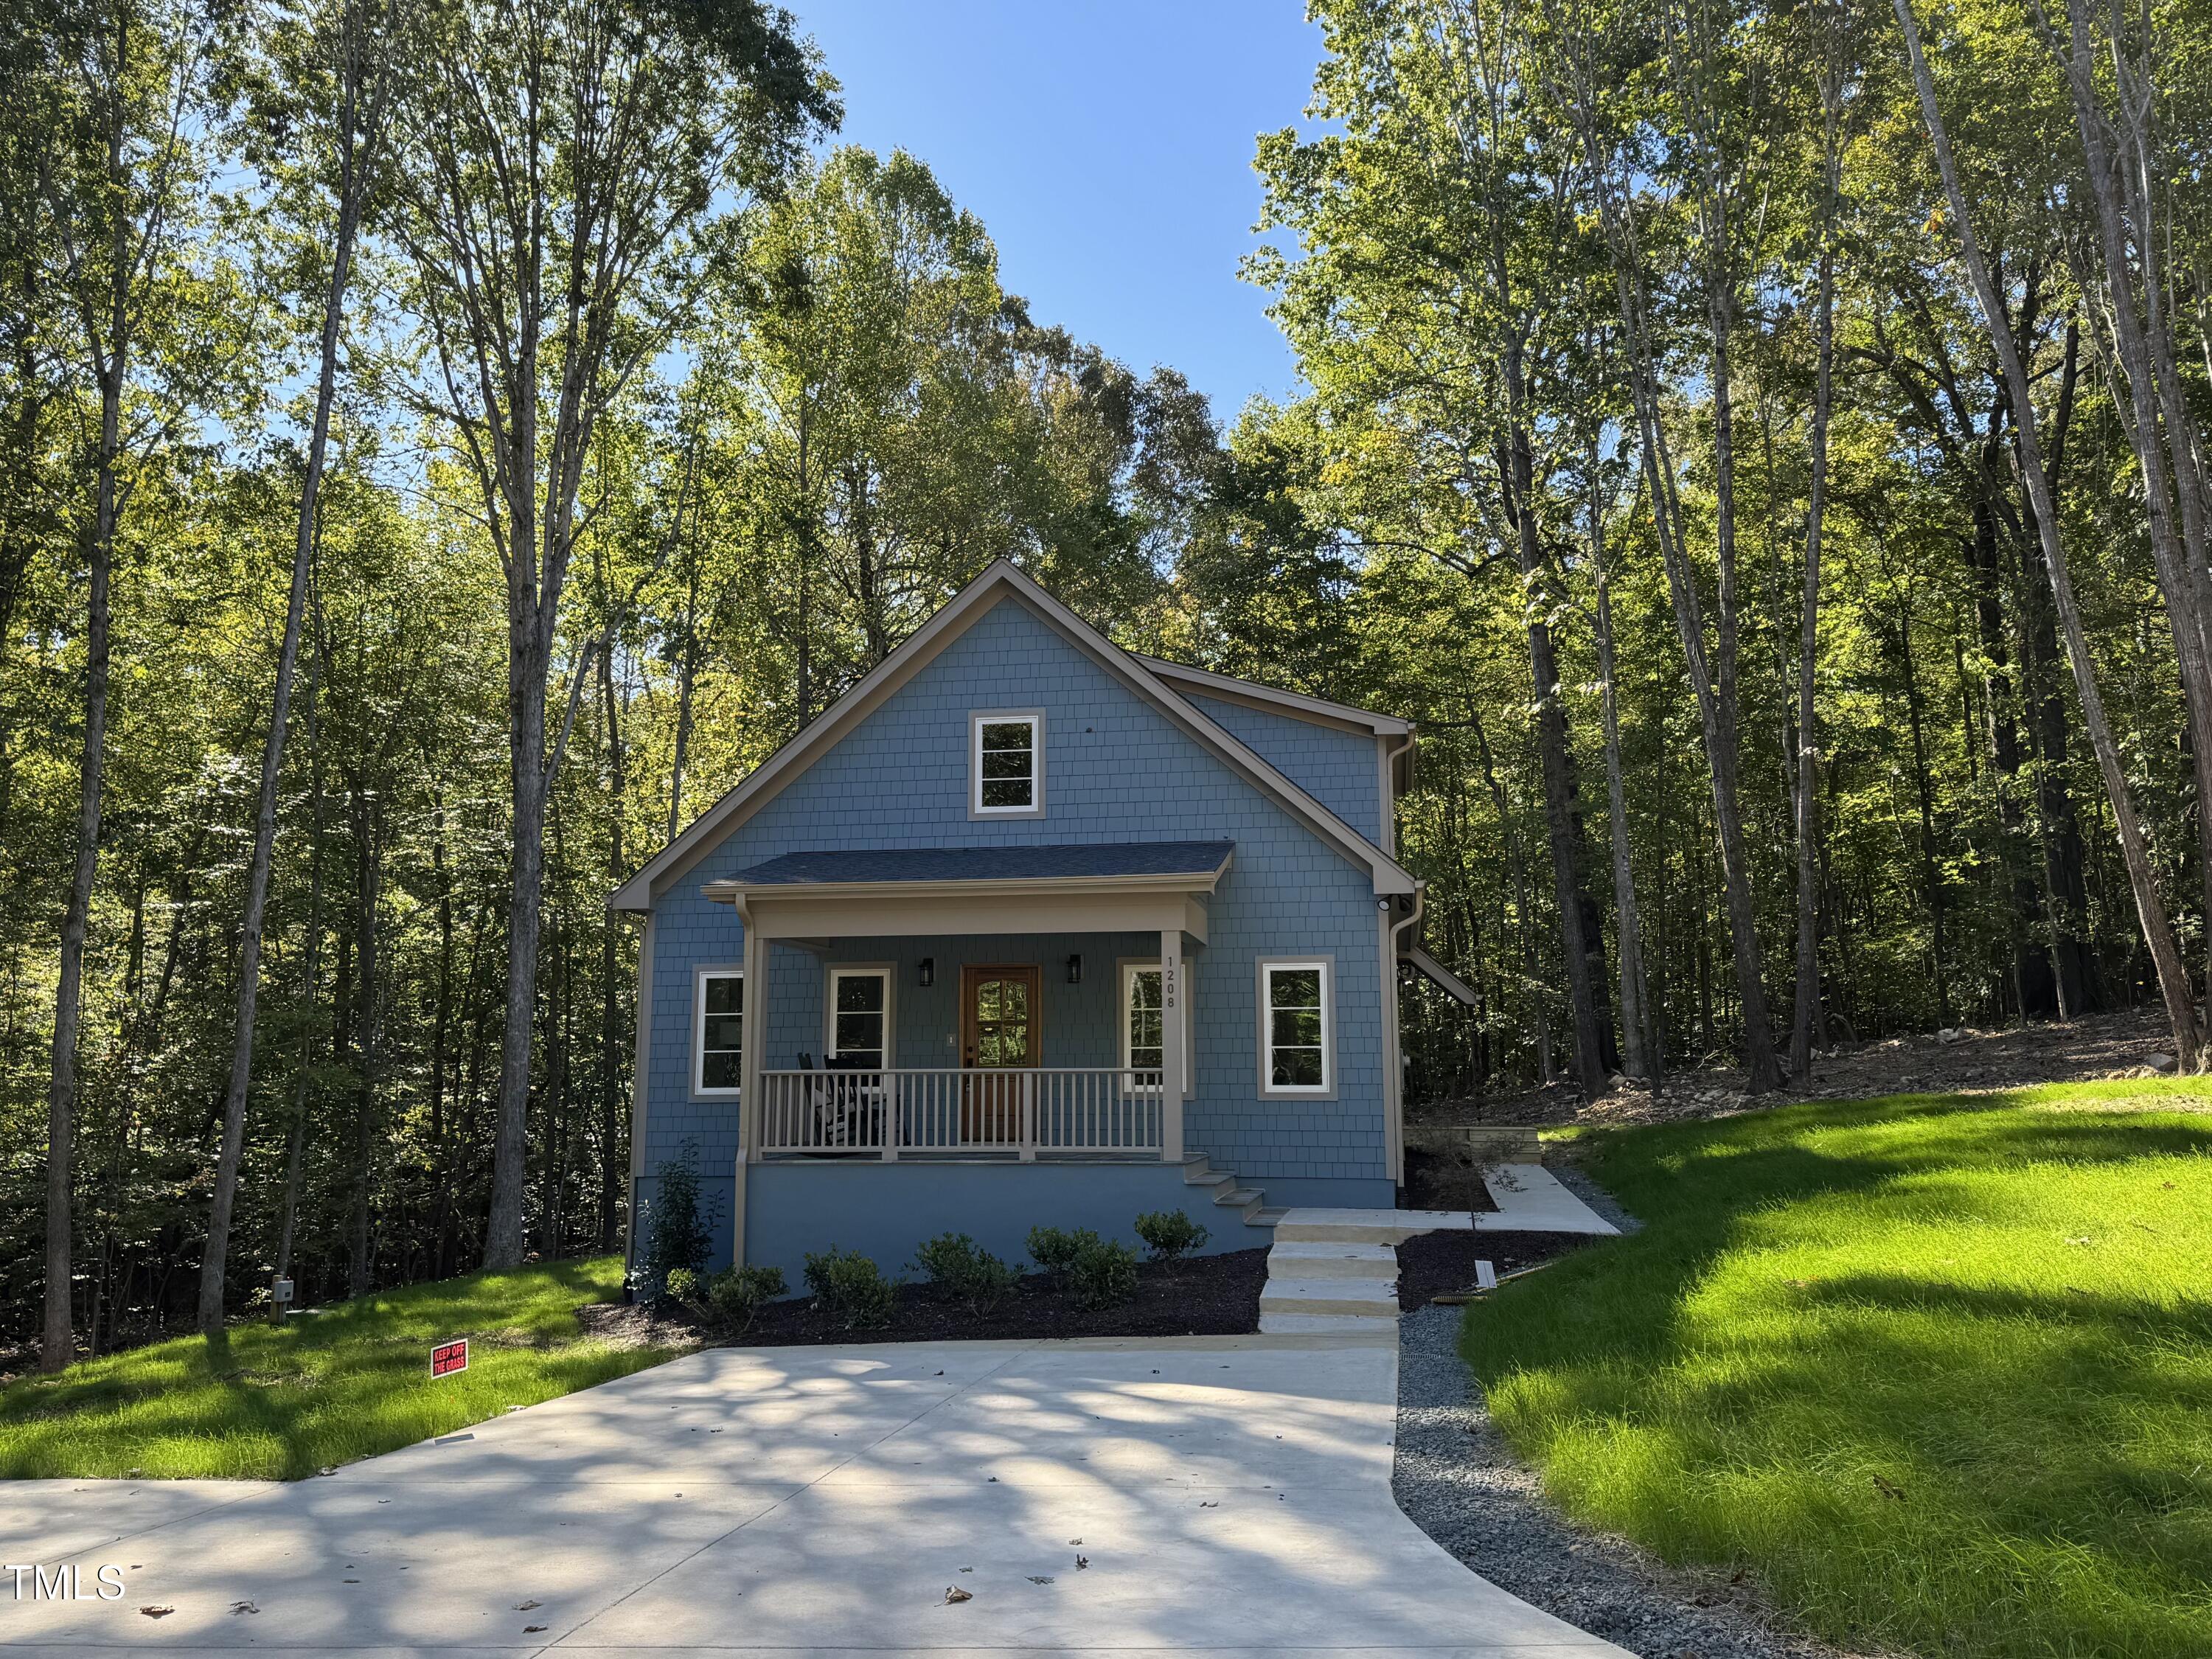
x,y
1334,1273
1226,1494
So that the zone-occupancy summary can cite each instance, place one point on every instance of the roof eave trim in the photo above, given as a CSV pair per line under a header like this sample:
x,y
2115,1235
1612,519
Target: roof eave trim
x,y
1182,882
1295,703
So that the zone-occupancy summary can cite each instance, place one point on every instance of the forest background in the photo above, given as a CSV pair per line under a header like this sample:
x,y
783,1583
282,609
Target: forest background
x,y
444,444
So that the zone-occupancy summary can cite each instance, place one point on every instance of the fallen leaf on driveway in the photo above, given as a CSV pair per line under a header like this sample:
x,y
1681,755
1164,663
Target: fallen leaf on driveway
x,y
531,1630
328,1468
954,1593
243,1606
523,1606
157,1612
1040,1578
1081,1562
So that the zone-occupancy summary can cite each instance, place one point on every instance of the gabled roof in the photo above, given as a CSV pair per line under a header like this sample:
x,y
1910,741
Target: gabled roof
x,y
1014,861
1000,581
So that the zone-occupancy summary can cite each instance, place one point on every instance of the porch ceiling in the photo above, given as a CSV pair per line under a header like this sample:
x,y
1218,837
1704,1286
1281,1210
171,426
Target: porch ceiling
x,y
1085,887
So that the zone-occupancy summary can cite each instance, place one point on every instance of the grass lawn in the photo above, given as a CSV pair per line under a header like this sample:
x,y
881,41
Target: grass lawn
x,y
1937,1369
345,1383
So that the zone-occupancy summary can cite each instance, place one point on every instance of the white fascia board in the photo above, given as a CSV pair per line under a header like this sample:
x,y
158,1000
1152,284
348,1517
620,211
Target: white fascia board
x,y
1294,703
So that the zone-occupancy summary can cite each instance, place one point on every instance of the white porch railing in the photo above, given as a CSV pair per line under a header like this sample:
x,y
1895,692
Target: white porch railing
x,y
938,1111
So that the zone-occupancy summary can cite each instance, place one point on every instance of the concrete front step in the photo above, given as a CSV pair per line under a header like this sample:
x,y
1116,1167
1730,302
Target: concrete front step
x,y
1358,1297
1294,1259
1318,1226
1247,1199
1291,1324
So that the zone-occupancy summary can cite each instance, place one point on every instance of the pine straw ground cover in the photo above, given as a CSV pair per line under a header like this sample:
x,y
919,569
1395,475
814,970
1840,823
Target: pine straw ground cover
x,y
1938,1370
344,1384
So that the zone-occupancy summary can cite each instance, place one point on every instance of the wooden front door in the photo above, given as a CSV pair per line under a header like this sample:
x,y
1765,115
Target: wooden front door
x,y
998,1031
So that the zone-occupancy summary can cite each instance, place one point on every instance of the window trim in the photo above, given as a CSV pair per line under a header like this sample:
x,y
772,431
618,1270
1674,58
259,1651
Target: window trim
x,y
1124,967
977,720
700,975
887,972
1326,965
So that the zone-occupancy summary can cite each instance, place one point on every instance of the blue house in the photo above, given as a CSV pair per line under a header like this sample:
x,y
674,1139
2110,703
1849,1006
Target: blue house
x,y
1026,928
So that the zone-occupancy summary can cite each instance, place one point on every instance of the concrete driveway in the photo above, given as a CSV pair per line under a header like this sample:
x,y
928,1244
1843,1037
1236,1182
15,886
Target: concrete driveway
x,y
1227,1494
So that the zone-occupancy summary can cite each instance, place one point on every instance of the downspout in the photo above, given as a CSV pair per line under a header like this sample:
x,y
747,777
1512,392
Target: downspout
x,y
641,1083
1390,796
1397,1080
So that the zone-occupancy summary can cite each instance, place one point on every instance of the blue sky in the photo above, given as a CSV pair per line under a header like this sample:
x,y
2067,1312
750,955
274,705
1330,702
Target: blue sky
x,y
1106,144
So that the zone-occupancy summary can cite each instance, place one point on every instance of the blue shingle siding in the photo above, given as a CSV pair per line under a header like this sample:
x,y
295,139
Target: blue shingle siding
x,y
1338,768
1116,771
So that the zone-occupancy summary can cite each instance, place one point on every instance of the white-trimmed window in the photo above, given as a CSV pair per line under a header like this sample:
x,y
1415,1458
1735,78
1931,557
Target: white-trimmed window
x,y
1143,1034
718,1032
1005,764
859,1016
1297,1022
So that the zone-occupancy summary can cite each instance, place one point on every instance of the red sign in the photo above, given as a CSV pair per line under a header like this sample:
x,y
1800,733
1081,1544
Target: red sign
x,y
449,1357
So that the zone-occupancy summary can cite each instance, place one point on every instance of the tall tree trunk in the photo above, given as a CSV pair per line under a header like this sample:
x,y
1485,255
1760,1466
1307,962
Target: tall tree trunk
x,y
1636,1030
1550,724
353,163
1931,878
609,990
1806,1025
295,1134
1516,865
109,340
2150,908
2159,423
684,678
367,817
1762,1067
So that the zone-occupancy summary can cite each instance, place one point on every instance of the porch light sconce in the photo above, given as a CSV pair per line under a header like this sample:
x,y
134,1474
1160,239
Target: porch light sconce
x,y
1075,970
928,967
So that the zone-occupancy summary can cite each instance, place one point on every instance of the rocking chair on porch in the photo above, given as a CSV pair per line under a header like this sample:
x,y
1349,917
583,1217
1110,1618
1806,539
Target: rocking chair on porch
x,y
848,1103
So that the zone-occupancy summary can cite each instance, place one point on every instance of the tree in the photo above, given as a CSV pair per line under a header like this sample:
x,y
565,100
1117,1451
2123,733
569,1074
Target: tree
x,y
1461,344
126,80
331,78
559,201
2150,908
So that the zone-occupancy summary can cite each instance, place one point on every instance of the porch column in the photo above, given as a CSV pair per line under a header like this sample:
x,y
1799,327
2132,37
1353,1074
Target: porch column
x,y
752,1026
1175,1063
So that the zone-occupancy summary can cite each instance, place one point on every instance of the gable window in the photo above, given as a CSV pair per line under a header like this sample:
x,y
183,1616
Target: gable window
x,y
859,1018
1005,764
1297,1026
1143,1038
719,1034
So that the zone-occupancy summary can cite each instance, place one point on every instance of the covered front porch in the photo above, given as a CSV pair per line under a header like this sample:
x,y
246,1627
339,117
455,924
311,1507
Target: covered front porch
x,y
1012,1005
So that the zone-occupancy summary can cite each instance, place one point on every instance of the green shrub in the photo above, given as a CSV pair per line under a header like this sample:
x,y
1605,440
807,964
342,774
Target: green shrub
x,y
952,1263
1102,1275
1054,1248
737,1296
850,1288
681,1231
683,1284
1170,1235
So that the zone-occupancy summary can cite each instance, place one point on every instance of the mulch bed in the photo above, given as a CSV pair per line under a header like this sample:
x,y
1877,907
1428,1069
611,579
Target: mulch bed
x,y
1206,1295
1434,1264
1439,1180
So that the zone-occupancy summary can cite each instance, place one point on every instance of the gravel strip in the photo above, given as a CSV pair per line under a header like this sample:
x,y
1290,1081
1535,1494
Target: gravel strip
x,y
1593,1195
1457,1481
